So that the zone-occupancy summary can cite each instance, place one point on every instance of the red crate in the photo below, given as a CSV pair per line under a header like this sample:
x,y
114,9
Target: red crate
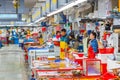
x,y
106,51
80,54
109,50
56,43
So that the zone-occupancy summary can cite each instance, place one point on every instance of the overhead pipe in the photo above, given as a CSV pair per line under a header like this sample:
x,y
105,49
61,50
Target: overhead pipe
x,y
73,3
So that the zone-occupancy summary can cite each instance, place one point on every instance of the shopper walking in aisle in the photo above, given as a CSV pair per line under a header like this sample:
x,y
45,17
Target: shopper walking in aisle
x,y
7,37
93,46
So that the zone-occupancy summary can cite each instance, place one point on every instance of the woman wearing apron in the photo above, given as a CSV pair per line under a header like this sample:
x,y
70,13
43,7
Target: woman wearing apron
x,y
93,46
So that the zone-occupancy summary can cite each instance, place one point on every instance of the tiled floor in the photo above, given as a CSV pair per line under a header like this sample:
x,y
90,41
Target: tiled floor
x,y
12,63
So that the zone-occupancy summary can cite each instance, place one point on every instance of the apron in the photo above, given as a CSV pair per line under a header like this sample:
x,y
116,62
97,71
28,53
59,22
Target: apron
x,y
63,49
91,53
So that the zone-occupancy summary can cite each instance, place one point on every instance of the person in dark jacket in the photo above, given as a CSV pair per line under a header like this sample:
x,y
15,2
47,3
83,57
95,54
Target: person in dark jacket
x,y
64,36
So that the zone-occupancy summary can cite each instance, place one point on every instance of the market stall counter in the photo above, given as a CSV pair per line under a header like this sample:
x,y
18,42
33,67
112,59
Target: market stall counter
x,y
40,53
62,74
63,69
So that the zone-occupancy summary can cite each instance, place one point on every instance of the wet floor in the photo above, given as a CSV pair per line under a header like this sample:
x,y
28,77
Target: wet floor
x,y
12,63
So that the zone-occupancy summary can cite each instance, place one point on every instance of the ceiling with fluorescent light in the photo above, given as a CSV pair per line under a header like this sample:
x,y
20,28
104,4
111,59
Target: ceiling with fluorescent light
x,y
7,7
27,7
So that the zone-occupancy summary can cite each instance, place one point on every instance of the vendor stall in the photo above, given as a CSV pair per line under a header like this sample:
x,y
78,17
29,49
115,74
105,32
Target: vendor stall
x,y
53,69
37,53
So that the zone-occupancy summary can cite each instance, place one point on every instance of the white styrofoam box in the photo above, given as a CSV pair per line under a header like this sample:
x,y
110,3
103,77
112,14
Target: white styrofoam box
x,y
116,21
42,50
47,54
112,65
112,40
51,56
103,58
117,56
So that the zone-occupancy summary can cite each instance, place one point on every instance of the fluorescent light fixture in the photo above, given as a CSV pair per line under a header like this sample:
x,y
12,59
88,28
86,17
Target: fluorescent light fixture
x,y
66,7
39,19
62,9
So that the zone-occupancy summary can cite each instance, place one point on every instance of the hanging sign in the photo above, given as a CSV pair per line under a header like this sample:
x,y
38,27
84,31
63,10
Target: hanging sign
x,y
36,14
61,3
53,5
28,20
43,9
108,7
47,6
119,5
54,1
104,6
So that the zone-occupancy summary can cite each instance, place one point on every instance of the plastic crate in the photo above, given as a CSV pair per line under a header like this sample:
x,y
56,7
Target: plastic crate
x,y
57,43
106,51
80,54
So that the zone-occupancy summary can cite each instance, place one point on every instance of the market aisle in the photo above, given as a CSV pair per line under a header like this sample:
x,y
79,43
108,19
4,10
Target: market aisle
x,y
12,63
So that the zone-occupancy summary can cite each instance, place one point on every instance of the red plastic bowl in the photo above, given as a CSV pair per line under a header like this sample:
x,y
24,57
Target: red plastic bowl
x,y
106,51
56,43
80,54
102,50
109,50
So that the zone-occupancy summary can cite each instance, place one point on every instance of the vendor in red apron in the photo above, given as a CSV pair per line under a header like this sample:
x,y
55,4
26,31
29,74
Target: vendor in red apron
x,y
93,46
